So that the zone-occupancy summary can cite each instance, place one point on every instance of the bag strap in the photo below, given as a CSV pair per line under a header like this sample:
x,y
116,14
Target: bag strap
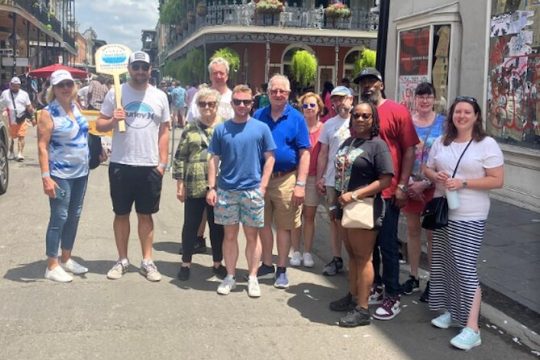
x,y
459,160
13,101
204,137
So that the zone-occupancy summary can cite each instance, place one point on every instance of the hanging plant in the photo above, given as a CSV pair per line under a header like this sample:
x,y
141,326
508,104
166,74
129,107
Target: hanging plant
x,y
366,59
269,7
304,68
202,10
338,10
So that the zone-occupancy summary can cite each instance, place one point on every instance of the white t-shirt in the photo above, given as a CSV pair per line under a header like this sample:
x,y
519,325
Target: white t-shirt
x,y
22,100
225,110
486,154
335,132
145,111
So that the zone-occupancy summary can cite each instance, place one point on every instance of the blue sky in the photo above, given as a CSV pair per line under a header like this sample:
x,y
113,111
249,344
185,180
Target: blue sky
x,y
117,21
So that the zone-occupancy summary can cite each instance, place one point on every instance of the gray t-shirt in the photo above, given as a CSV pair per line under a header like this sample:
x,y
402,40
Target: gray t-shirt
x,y
145,111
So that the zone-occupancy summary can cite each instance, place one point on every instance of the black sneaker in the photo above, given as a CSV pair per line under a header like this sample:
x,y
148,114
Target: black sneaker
x,y
425,295
410,286
333,267
183,274
220,271
346,303
356,317
266,271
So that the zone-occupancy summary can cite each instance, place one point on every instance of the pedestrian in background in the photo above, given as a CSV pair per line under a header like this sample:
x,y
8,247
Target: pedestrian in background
x,y
454,285
178,94
63,160
329,111
190,169
138,160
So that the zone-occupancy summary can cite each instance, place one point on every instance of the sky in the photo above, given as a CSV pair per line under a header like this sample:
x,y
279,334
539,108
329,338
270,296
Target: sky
x,y
117,21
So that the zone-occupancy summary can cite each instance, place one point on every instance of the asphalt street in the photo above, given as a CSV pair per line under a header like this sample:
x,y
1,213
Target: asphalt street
x,y
96,318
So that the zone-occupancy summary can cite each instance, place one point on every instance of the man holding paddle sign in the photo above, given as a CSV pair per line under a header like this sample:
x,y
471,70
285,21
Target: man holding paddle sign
x,y
138,160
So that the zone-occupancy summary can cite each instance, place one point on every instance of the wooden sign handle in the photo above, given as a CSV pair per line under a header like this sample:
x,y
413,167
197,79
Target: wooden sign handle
x,y
118,97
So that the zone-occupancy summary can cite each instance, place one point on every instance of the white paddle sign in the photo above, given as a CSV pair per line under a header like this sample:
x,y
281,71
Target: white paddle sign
x,y
112,59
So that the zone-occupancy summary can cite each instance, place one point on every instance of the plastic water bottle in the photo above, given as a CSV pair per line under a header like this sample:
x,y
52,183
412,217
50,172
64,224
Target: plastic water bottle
x,y
452,199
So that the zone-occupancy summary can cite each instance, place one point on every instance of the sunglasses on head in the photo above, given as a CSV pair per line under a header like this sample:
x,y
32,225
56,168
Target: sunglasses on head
x,y
310,105
468,99
144,67
65,84
246,102
204,104
364,116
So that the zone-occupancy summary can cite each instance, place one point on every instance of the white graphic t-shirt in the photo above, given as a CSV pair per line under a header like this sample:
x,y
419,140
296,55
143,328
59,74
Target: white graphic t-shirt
x,y
335,132
145,111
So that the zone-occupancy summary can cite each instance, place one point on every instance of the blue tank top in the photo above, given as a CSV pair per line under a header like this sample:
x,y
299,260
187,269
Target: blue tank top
x,y
68,146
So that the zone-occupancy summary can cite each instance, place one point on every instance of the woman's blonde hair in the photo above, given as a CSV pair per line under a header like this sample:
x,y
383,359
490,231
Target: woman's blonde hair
x,y
51,96
207,92
317,98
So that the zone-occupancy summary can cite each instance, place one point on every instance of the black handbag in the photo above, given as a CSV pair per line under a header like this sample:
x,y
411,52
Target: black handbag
x,y
19,119
436,210
95,148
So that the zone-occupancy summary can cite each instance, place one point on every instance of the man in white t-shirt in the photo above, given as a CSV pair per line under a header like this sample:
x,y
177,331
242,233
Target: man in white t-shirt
x,y
16,102
218,70
138,160
334,133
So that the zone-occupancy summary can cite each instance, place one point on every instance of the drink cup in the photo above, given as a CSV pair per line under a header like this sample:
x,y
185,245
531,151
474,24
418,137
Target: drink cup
x,y
452,199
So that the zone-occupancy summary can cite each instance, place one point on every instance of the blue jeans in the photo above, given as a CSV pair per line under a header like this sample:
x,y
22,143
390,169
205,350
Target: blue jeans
x,y
387,242
66,211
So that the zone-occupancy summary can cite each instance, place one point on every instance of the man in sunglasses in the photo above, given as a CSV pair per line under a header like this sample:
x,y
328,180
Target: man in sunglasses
x,y
138,160
286,189
334,133
243,149
397,130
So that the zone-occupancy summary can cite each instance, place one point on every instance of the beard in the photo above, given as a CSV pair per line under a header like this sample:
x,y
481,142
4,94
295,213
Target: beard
x,y
344,110
371,96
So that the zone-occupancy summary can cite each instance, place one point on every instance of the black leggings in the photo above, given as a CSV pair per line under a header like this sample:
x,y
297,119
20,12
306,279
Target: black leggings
x,y
193,212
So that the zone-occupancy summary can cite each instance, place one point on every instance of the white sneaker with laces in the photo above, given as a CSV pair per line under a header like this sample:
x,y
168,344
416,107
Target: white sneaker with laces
x,y
296,259
58,274
73,267
20,157
150,271
308,260
226,285
118,270
254,290
443,321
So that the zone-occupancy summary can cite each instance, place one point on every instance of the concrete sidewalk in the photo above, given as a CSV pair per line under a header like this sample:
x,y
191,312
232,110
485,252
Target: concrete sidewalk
x,y
508,267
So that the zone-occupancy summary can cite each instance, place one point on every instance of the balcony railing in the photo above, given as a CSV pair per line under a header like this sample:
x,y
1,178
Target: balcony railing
x,y
291,17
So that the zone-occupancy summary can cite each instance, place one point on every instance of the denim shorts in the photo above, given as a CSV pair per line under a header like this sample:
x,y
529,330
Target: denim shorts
x,y
239,206
135,184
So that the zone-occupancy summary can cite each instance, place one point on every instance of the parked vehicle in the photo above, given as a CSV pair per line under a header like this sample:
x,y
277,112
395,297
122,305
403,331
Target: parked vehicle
x,y
4,166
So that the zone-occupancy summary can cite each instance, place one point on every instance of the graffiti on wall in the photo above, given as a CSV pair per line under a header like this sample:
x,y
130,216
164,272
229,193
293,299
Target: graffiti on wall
x,y
514,80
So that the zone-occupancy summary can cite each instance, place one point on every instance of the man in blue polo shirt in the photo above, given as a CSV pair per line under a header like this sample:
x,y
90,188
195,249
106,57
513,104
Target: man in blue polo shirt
x,y
286,188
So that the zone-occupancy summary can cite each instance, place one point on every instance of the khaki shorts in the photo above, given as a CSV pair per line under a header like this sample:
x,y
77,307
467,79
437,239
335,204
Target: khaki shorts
x,y
313,198
278,207
18,130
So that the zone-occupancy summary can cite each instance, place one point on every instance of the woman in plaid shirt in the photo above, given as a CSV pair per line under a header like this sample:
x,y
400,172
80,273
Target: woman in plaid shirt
x,y
190,169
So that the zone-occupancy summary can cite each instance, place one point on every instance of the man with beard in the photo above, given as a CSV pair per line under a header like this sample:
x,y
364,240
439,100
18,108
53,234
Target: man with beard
x,y
17,103
138,160
334,133
397,130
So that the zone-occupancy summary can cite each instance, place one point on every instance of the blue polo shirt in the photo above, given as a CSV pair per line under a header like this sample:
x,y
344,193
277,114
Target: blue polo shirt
x,y
290,134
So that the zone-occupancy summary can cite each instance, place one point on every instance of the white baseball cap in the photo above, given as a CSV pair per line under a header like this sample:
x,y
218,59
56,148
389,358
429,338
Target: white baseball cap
x,y
60,75
15,80
139,56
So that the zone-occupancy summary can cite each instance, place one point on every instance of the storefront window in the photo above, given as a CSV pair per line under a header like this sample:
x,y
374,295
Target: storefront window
x,y
514,73
424,56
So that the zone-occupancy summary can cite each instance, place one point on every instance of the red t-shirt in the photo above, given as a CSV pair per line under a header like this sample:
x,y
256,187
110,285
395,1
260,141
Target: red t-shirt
x,y
397,130
314,150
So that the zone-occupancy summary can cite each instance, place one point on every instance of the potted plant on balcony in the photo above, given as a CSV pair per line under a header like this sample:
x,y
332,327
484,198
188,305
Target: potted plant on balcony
x,y
338,10
269,7
202,10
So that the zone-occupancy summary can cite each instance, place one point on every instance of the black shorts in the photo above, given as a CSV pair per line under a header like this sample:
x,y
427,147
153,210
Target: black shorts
x,y
139,184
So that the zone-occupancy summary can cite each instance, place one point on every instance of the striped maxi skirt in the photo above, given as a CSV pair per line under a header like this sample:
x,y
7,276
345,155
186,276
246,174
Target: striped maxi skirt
x,y
454,275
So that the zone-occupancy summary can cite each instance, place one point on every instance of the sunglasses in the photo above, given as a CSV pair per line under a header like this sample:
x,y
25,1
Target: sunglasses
x,y
279,91
204,104
237,102
468,99
364,116
137,67
65,84
310,105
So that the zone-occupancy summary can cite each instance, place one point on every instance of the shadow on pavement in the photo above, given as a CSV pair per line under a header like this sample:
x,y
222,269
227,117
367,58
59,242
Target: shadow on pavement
x,y
311,301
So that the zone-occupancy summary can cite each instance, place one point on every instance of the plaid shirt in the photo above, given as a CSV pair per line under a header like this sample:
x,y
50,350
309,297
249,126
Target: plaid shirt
x,y
191,159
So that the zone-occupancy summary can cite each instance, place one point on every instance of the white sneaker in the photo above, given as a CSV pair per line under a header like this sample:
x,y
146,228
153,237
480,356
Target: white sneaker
x,y
73,267
254,290
226,285
296,259
308,260
11,156
20,157
150,271
58,274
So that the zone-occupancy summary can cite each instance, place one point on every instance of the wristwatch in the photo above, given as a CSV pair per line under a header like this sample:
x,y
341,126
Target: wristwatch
x,y
403,188
208,188
464,183
301,183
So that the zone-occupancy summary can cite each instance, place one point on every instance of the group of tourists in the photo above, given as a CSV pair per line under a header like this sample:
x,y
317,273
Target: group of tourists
x,y
270,171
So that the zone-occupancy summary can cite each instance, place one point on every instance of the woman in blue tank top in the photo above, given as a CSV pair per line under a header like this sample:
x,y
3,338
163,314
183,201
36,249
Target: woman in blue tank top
x,y
63,159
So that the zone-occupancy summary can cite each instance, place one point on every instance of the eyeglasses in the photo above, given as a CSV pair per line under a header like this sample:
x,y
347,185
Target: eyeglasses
x,y
137,67
246,102
468,99
279,91
65,84
204,104
310,105
364,116
425,97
